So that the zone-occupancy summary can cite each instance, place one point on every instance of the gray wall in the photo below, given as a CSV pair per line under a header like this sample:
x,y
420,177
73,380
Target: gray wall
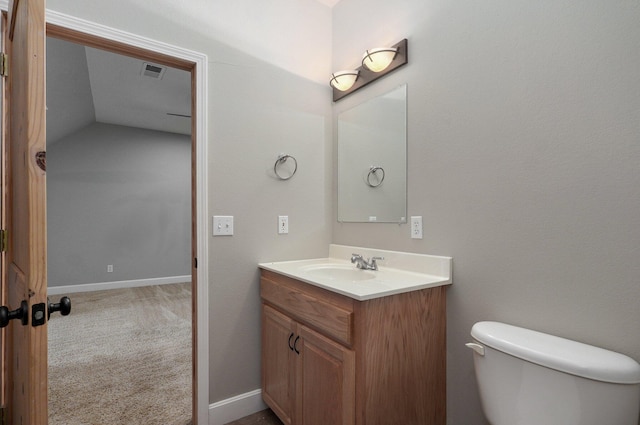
x,y
274,113
524,153
120,196
264,99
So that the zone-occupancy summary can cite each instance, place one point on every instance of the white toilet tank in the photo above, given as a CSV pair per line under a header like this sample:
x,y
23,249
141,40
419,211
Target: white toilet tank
x,y
531,378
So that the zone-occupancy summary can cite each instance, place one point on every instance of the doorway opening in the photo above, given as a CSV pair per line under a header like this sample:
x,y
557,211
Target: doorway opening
x,y
118,236
95,36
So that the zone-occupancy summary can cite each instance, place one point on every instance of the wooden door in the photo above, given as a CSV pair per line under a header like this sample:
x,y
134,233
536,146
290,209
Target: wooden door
x,y
325,381
278,363
25,381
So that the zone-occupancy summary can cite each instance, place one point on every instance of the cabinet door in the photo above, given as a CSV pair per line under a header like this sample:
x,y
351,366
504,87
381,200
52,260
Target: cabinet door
x,y
278,363
325,383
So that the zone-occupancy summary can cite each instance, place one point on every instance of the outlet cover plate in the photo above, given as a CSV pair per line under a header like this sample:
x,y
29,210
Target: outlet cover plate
x,y
416,227
283,224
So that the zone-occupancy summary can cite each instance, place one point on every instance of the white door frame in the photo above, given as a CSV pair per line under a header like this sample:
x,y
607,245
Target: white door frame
x,y
80,25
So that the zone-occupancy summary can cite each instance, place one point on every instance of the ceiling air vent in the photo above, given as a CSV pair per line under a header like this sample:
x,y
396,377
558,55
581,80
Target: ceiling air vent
x,y
152,70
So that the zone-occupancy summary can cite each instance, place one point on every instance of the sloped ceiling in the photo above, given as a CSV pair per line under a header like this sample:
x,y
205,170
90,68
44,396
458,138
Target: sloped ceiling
x,y
86,85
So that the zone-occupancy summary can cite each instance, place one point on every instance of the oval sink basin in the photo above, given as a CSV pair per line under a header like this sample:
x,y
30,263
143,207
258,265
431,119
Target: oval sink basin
x,y
337,272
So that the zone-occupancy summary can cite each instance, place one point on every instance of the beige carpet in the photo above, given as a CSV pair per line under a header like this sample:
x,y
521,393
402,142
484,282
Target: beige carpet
x,y
122,357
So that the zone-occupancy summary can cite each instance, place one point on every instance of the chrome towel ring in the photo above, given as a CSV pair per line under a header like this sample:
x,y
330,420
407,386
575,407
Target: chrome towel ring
x,y
373,171
281,160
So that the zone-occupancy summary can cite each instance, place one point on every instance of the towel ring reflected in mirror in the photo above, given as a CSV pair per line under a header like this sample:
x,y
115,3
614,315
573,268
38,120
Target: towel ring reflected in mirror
x,y
281,160
373,171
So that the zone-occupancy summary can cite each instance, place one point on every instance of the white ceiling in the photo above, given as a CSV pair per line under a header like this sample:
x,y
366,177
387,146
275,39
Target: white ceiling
x,y
122,95
87,85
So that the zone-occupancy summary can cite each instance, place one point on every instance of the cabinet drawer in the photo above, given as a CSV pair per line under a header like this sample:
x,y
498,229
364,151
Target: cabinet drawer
x,y
334,321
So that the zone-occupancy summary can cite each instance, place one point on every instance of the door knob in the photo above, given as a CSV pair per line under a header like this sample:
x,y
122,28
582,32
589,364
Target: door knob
x,y
21,313
64,307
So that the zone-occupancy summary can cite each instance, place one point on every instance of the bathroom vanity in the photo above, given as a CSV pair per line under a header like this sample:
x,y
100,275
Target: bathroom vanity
x,y
344,346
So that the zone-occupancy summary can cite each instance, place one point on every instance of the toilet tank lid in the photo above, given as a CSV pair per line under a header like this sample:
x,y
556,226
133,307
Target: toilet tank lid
x,y
558,353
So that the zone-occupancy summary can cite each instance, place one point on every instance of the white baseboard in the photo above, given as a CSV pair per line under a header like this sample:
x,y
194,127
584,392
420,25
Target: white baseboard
x,y
101,286
237,407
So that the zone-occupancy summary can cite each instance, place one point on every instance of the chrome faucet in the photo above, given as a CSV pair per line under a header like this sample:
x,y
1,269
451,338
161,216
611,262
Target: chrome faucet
x,y
363,264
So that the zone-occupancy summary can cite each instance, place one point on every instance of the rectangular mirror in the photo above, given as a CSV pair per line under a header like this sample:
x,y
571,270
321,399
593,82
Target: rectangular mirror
x,y
372,160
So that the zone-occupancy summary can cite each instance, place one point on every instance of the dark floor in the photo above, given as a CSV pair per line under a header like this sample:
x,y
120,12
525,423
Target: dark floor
x,y
265,417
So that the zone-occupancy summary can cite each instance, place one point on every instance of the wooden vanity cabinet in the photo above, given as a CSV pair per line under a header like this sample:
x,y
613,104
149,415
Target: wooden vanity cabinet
x,y
327,369
328,359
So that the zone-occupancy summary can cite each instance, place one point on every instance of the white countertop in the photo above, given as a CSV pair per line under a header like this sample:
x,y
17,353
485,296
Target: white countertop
x,y
399,272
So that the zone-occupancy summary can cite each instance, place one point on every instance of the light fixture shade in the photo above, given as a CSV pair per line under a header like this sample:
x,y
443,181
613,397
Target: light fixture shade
x,y
344,80
378,59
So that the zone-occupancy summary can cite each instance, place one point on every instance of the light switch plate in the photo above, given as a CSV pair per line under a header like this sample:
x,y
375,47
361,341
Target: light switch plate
x,y
222,225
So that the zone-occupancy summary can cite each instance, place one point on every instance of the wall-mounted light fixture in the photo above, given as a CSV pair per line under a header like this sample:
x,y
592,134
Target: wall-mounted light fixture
x,y
376,63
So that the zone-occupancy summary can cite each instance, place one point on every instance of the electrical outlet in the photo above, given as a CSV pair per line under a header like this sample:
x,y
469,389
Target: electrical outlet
x,y
283,224
222,225
416,227
110,268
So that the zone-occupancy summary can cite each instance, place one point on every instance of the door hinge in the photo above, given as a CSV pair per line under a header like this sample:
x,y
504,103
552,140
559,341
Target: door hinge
x,y
4,64
3,242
